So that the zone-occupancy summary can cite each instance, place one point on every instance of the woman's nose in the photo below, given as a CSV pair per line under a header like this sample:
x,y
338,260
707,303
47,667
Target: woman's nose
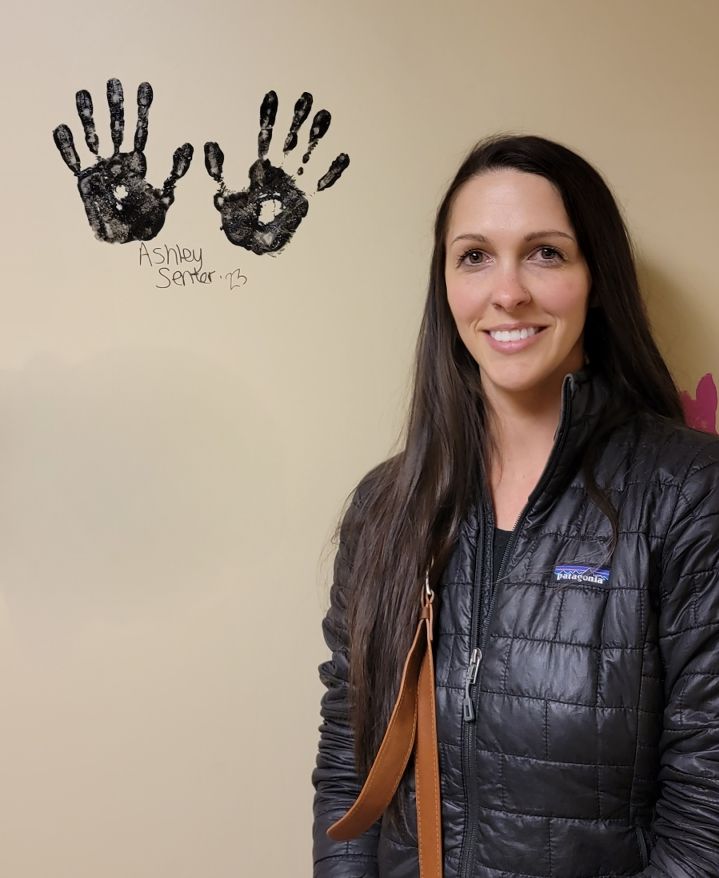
x,y
508,292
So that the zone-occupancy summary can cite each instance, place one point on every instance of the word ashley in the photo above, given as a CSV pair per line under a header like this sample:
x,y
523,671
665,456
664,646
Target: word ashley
x,y
168,257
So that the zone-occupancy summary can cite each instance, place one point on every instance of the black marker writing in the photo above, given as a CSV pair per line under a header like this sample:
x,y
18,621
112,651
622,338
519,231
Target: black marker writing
x,y
179,266
170,255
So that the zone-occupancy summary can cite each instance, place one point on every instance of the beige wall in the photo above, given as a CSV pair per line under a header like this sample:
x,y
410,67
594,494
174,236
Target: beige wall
x,y
172,461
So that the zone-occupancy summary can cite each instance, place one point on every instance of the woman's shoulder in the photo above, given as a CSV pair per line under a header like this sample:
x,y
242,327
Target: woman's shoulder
x,y
668,453
675,441
667,471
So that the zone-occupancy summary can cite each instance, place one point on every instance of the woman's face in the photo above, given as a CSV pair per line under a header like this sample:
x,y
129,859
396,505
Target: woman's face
x,y
517,283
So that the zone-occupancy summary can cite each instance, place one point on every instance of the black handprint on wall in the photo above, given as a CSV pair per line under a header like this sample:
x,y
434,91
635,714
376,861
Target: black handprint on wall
x,y
121,205
263,217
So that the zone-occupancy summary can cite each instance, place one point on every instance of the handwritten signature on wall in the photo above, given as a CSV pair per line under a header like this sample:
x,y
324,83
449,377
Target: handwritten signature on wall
x,y
179,266
122,206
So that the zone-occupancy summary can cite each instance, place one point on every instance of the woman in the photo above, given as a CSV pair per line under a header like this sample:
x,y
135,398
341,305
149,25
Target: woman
x,y
570,521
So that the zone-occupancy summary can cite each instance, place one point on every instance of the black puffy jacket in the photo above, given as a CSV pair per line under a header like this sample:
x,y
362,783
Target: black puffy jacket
x,y
588,745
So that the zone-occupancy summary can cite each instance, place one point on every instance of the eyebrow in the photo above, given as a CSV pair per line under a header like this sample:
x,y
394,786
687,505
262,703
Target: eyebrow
x,y
543,233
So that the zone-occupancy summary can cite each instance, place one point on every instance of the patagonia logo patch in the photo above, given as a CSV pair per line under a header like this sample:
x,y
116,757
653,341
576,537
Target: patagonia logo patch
x,y
581,573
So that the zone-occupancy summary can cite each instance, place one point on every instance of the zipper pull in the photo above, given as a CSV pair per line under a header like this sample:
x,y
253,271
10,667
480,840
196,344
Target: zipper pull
x,y
469,680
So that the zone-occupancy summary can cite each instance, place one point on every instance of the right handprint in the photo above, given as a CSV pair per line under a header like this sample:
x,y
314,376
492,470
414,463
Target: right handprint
x,y
263,217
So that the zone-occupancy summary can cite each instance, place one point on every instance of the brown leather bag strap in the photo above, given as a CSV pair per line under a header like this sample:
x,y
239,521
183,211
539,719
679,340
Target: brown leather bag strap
x,y
412,725
426,769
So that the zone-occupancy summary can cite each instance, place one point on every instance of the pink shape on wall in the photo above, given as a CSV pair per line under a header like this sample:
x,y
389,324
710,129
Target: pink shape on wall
x,y
701,412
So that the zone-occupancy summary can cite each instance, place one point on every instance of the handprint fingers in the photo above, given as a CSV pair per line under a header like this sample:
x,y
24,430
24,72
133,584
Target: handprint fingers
x,y
83,102
268,112
320,126
180,164
66,145
144,100
302,111
181,160
115,100
214,160
336,169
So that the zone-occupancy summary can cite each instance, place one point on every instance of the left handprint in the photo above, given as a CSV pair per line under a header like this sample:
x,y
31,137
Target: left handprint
x,y
121,205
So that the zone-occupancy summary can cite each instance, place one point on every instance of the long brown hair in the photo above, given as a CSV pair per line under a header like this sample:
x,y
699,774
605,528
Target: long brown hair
x,y
416,500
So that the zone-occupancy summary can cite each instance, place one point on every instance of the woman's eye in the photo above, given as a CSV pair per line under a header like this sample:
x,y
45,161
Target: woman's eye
x,y
554,255
472,257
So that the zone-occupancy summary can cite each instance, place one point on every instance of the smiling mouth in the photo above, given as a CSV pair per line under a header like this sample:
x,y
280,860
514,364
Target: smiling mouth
x,y
515,334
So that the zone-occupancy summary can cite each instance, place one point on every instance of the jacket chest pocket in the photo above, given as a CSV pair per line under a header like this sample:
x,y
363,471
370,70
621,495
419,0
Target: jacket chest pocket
x,y
557,715
575,642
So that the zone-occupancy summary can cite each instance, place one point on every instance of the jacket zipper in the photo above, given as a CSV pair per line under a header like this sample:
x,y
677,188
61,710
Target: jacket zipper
x,y
469,713
470,679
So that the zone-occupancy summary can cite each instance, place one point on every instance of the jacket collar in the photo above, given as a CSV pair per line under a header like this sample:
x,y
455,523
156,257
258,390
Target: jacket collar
x,y
584,395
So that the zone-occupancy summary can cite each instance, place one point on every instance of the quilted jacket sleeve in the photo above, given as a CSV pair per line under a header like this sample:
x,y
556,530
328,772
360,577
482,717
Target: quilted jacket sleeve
x,y
334,777
686,824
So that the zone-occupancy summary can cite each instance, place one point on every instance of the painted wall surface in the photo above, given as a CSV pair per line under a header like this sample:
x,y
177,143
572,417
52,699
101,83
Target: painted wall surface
x,y
189,389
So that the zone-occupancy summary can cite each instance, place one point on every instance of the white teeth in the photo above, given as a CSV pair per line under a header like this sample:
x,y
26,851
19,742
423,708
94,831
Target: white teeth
x,y
514,334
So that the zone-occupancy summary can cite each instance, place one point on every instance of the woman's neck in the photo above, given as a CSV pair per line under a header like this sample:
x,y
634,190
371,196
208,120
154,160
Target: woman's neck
x,y
523,432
